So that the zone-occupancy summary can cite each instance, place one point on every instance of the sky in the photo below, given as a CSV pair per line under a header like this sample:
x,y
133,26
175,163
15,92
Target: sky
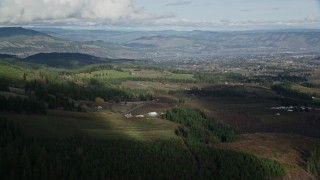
x,y
162,14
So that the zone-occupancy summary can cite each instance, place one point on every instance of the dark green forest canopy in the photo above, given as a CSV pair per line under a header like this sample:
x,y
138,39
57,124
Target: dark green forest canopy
x,y
195,126
86,158
314,161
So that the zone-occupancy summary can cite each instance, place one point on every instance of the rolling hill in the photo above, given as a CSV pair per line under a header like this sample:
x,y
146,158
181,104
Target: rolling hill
x,y
64,59
24,42
5,56
15,31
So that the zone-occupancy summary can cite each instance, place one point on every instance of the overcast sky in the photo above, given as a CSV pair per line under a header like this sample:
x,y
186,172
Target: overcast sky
x,y
162,14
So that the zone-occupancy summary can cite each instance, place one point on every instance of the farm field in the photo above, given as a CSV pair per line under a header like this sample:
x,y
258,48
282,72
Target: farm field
x,y
104,125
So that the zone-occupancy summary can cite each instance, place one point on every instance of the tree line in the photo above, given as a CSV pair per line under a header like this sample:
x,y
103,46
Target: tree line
x,y
210,77
291,93
18,104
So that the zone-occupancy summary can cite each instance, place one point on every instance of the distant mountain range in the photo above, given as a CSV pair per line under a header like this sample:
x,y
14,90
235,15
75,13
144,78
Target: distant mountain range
x,y
158,44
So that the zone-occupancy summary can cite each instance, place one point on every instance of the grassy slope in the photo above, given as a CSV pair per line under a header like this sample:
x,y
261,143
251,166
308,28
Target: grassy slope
x,y
10,71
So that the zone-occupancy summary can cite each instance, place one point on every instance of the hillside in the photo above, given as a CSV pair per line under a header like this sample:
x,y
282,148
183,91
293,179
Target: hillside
x,y
64,59
24,42
18,31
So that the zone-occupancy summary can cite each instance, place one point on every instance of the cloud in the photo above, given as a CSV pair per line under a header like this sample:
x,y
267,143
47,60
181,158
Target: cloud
x,y
178,3
262,9
53,11
225,21
225,24
312,19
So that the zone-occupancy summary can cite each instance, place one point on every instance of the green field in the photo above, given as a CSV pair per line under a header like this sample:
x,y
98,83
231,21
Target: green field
x,y
113,74
14,70
10,71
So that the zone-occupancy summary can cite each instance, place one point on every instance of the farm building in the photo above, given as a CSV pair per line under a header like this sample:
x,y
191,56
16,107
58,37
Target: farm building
x,y
128,115
99,108
153,114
